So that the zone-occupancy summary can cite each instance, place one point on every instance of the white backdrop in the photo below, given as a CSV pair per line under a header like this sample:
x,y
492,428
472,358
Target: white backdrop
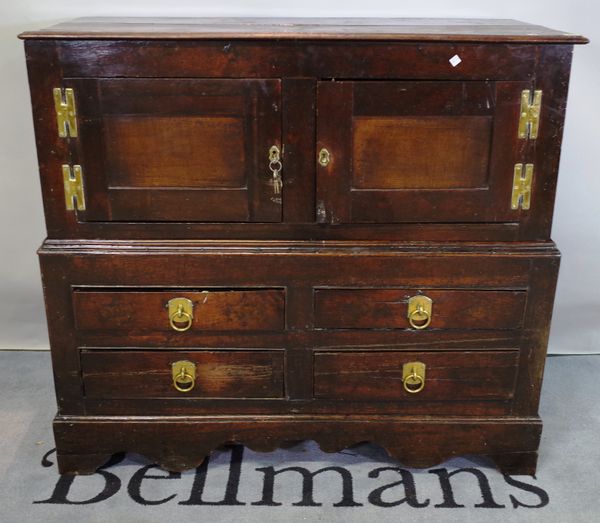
x,y
576,325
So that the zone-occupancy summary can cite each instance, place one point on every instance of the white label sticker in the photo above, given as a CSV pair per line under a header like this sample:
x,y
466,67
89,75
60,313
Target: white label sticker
x,y
455,60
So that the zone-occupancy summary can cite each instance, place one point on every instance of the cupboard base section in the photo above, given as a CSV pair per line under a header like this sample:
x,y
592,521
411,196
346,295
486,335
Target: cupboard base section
x,y
85,444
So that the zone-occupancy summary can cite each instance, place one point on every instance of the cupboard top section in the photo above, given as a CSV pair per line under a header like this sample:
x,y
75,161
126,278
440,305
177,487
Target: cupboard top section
x,y
298,139
398,29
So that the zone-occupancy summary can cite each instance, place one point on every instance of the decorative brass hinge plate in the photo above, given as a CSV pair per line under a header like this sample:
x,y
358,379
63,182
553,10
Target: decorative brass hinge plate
x,y
529,120
73,182
66,112
521,193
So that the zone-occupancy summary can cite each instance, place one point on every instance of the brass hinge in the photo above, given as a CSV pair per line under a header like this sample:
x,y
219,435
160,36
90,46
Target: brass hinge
x,y
66,112
521,192
529,119
73,182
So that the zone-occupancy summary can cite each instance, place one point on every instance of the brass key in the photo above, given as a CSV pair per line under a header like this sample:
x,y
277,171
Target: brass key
x,y
275,168
277,182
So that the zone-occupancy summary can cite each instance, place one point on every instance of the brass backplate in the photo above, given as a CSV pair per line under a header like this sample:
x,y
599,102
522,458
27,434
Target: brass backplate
x,y
529,118
413,367
183,372
521,192
419,308
274,154
183,305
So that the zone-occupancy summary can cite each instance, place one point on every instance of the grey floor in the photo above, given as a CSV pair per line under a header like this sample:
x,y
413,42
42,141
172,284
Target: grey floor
x,y
567,486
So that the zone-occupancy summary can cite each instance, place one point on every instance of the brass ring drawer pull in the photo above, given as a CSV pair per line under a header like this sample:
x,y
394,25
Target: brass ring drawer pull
x,y
419,312
181,314
419,315
184,375
413,377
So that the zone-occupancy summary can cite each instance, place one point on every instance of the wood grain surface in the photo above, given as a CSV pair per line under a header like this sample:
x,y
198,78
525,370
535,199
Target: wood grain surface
x,y
314,28
300,298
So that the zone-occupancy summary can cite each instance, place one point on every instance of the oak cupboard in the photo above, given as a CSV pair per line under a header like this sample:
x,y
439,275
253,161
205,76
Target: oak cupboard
x,y
268,230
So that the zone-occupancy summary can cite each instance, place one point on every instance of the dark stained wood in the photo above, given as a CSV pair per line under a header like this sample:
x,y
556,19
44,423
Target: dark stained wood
x,y
277,59
298,406
173,150
300,327
117,211
421,135
387,308
300,266
146,312
440,232
420,153
185,443
339,339
449,376
201,163
544,276
124,374
478,185
334,110
65,360
298,127
545,248
299,376
215,265
44,72
552,77
457,29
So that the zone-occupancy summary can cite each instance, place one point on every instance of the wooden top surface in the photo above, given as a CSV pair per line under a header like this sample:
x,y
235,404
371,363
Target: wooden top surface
x,y
399,29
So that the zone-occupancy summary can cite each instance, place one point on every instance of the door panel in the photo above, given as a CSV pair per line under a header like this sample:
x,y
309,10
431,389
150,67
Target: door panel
x,y
195,159
178,150
416,152
419,151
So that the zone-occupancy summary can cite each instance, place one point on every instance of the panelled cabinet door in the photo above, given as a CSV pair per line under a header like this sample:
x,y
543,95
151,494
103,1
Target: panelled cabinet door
x,y
418,151
178,149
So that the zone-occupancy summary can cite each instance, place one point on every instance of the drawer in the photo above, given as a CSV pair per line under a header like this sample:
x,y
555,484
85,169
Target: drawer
x,y
448,376
148,312
123,374
389,309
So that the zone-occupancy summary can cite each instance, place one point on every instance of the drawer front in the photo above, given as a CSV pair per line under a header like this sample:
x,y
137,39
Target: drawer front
x,y
88,290
127,374
448,376
148,312
390,308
